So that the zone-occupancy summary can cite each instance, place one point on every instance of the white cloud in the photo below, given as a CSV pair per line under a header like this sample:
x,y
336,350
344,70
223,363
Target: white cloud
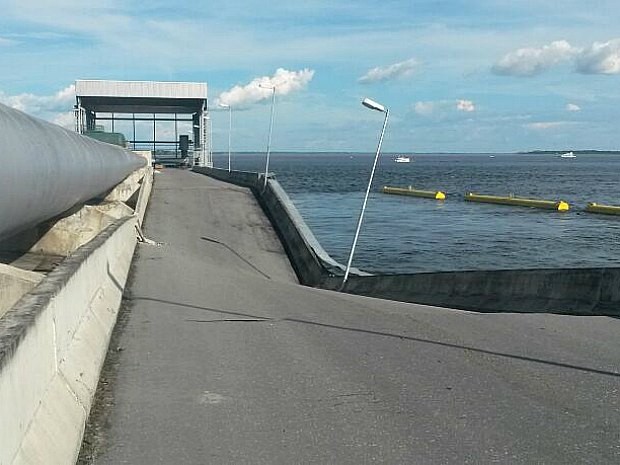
x,y
402,69
4,42
600,58
572,107
465,105
50,107
532,61
424,108
66,120
284,80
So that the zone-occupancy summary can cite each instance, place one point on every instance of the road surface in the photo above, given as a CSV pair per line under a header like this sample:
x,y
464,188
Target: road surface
x,y
220,357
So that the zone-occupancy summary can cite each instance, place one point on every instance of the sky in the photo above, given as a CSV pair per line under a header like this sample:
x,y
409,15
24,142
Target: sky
x,y
456,75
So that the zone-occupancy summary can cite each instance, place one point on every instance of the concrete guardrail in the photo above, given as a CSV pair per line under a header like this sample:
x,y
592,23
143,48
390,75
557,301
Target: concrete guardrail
x,y
53,343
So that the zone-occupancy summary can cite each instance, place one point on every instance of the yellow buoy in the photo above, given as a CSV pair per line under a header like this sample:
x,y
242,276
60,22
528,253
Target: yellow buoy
x,y
437,195
560,205
594,207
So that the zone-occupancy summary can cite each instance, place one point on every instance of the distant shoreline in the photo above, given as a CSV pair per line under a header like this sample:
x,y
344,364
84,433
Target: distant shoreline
x,y
580,152
530,152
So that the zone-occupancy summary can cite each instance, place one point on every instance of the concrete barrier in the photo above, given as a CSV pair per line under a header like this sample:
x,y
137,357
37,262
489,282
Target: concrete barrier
x,y
53,343
248,179
575,291
588,291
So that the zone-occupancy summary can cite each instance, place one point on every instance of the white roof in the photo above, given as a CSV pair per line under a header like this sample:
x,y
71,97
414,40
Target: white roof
x,y
141,89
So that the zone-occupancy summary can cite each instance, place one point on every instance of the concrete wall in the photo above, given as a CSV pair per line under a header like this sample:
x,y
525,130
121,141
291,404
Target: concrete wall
x,y
53,343
593,291
589,291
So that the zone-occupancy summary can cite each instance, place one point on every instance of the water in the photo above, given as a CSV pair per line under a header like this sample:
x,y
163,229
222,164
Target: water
x,y
406,234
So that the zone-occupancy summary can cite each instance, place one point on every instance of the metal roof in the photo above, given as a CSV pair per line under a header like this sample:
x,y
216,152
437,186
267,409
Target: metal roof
x,y
141,96
137,89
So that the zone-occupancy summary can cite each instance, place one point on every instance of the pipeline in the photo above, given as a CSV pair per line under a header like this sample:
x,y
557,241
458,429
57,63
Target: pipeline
x,y
46,170
594,207
437,195
519,201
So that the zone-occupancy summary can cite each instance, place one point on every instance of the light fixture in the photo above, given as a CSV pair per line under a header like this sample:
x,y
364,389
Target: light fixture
x,y
378,107
273,104
224,105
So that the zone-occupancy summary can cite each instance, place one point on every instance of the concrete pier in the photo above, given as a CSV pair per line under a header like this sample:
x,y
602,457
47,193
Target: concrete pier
x,y
220,356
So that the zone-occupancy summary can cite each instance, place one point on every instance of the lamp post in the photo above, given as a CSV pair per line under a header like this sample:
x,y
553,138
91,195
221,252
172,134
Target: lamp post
x,y
206,146
273,104
224,105
377,107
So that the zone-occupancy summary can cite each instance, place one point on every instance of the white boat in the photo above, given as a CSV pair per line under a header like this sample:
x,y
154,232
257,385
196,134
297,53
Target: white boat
x,y
568,155
402,159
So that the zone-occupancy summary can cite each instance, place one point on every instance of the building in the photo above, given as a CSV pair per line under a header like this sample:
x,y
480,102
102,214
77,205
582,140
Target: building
x,y
169,118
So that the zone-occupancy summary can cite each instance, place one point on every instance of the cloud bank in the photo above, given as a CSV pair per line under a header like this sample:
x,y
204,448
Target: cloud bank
x,y
33,104
285,82
572,107
399,70
598,58
56,107
532,61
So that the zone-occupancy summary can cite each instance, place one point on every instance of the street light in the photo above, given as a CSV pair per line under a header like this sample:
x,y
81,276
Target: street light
x,y
377,107
273,104
224,105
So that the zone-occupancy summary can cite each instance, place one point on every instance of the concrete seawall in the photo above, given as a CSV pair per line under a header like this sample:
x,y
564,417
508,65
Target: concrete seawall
x,y
588,291
310,261
53,342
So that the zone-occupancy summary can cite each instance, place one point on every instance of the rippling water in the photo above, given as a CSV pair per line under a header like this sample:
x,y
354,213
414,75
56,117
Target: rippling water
x,y
406,234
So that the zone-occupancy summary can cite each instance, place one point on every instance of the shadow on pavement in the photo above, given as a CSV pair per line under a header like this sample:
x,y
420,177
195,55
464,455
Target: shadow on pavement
x,y
386,334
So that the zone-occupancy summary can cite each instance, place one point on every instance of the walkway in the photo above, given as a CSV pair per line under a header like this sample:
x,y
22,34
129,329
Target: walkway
x,y
220,357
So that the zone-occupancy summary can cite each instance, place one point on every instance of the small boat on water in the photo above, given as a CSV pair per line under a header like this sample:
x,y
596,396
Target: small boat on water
x,y
402,159
568,155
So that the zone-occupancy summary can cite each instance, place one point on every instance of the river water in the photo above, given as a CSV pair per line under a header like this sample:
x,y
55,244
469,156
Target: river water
x,y
406,234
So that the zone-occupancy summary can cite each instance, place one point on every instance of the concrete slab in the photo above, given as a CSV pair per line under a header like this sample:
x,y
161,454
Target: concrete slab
x,y
52,438
222,357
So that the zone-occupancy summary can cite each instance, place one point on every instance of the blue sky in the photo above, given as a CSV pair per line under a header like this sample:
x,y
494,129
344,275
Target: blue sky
x,y
460,75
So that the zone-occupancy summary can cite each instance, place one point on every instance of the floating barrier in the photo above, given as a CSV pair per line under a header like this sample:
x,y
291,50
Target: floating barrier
x,y
519,201
437,195
594,207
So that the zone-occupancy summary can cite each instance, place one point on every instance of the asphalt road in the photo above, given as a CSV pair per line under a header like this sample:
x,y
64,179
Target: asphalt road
x,y
220,357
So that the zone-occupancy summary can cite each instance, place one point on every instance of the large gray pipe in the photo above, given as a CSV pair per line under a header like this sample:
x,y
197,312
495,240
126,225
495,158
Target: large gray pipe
x,y
45,170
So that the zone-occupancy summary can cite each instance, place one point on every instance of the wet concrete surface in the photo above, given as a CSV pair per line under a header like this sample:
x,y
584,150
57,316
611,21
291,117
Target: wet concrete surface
x,y
221,357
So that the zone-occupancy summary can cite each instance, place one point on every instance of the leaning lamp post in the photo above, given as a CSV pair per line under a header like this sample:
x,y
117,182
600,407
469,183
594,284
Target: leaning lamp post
x,y
377,107
225,105
273,103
